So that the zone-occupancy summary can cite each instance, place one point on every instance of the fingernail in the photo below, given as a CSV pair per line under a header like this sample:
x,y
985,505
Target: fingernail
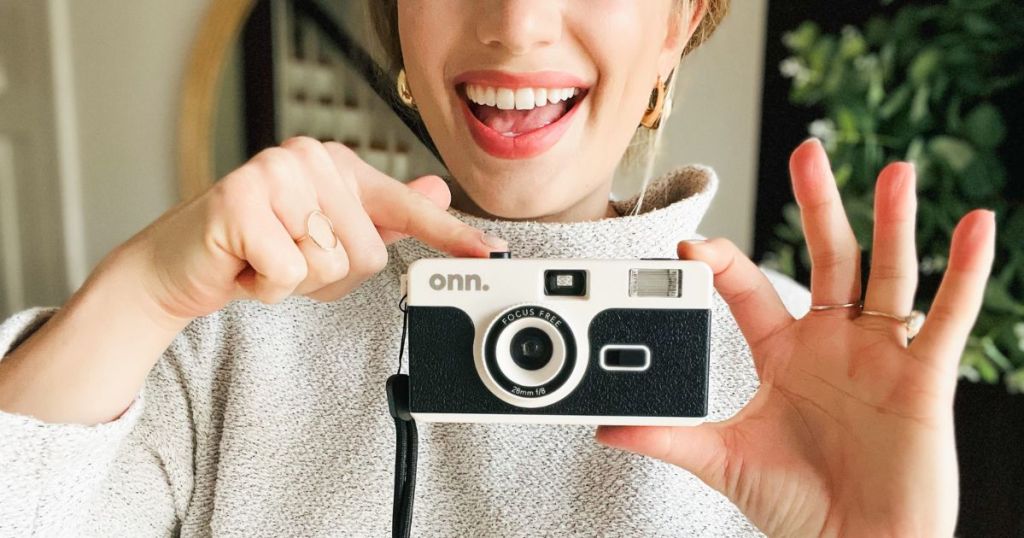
x,y
494,242
694,241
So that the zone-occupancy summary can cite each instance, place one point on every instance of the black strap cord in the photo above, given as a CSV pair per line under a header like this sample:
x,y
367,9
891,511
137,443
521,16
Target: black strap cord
x,y
406,450
406,441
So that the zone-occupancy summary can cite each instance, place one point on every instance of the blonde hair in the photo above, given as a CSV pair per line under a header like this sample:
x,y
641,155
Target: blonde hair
x,y
644,147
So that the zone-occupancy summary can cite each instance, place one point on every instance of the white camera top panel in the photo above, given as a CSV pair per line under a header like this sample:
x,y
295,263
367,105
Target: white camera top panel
x,y
646,284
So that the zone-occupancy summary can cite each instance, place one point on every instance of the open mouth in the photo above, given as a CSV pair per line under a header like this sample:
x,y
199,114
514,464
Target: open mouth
x,y
520,122
515,112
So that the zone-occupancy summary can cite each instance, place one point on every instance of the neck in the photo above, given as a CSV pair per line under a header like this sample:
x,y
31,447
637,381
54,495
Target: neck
x,y
594,206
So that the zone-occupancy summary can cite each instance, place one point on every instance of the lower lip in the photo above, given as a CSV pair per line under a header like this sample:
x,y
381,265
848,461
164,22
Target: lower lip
x,y
523,146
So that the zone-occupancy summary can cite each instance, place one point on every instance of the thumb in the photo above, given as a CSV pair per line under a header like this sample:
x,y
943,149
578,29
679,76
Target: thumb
x,y
435,189
700,450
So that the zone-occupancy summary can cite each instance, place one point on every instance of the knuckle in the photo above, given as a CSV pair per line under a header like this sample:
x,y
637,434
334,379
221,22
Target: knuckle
x,y
270,155
744,294
371,260
234,197
337,267
419,206
303,144
893,279
308,150
943,315
832,259
275,165
887,272
339,151
290,275
340,159
328,267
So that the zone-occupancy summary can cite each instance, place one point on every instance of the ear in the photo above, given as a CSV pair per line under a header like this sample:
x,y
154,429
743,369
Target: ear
x,y
683,22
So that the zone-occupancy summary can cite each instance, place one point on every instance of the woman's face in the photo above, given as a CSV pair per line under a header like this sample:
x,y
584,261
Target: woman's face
x,y
533,102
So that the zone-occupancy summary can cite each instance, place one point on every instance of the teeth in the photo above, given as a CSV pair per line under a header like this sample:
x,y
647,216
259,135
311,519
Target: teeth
x,y
524,99
541,96
505,99
518,99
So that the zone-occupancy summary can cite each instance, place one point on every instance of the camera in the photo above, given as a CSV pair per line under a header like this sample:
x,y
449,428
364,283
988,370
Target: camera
x,y
614,342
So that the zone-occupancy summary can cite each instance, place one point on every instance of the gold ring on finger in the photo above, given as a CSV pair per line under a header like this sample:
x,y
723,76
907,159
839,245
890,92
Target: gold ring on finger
x,y
320,230
913,322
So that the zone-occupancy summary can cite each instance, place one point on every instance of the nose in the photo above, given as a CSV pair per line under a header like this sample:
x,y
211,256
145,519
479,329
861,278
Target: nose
x,y
519,26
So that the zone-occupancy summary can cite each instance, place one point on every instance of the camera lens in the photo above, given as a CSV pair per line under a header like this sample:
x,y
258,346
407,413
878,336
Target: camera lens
x,y
531,348
528,354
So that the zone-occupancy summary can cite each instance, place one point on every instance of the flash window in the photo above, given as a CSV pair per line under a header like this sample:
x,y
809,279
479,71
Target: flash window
x,y
655,283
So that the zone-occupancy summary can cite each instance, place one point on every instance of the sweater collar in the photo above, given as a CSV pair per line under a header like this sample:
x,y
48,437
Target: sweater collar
x,y
673,207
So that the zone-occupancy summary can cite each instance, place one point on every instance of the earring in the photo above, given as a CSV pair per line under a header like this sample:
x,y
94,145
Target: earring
x,y
404,93
652,116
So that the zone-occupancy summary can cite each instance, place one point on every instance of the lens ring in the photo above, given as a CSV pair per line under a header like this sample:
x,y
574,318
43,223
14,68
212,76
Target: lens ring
x,y
522,384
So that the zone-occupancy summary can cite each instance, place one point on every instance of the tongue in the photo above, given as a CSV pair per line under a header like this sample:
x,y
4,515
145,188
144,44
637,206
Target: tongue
x,y
515,122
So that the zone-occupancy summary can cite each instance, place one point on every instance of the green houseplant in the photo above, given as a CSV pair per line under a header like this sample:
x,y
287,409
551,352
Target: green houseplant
x,y
923,85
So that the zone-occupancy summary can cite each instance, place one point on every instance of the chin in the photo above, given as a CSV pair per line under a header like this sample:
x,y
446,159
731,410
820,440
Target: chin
x,y
519,196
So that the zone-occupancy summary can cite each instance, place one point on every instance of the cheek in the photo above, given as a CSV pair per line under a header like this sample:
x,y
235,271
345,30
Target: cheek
x,y
427,36
624,40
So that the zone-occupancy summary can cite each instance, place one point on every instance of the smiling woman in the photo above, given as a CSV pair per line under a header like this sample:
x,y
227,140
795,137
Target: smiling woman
x,y
596,91
222,370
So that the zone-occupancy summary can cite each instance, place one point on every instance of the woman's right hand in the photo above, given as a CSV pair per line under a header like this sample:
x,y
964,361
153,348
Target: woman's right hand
x,y
240,239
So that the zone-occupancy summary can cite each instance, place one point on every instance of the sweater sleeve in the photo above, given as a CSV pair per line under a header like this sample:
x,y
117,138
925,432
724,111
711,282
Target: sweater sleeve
x,y
128,477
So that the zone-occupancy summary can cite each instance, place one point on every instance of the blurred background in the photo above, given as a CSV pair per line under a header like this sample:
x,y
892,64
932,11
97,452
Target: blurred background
x,y
111,112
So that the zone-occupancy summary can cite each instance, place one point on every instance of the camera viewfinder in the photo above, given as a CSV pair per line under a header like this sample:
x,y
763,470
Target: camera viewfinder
x,y
565,283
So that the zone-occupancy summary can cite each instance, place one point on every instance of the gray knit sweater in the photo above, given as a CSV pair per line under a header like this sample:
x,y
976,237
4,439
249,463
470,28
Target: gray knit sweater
x,y
272,421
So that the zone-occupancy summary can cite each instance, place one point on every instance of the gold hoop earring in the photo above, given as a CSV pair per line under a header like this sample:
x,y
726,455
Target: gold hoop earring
x,y
404,93
655,107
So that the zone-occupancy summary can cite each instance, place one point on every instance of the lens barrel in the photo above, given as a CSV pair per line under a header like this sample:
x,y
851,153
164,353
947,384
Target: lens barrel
x,y
531,348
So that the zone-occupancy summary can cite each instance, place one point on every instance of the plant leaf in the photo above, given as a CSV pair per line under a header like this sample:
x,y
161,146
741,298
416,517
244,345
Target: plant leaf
x,y
953,151
984,126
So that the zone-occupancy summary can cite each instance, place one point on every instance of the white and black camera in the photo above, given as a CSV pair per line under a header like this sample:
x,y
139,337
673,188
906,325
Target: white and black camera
x,y
616,342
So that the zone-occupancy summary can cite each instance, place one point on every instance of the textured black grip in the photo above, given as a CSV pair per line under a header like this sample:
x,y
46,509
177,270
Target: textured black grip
x,y
444,377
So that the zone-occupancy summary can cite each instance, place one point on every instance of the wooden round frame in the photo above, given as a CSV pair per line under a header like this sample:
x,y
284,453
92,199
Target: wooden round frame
x,y
210,51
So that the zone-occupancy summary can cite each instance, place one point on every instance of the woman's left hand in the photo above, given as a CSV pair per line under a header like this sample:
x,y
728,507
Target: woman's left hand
x,y
851,430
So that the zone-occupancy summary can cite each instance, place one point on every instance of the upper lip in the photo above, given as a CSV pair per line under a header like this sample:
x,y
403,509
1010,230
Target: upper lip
x,y
536,79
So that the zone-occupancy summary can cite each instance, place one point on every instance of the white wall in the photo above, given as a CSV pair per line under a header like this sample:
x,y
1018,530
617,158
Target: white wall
x,y
32,251
717,117
128,59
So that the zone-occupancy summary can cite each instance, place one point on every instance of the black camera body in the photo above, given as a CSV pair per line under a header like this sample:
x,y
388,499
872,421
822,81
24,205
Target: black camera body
x,y
615,342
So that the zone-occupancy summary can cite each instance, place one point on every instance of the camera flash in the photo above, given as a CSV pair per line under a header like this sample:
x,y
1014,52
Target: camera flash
x,y
655,283
563,281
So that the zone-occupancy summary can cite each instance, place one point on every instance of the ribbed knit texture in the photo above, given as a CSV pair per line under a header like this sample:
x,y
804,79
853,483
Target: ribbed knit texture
x,y
272,421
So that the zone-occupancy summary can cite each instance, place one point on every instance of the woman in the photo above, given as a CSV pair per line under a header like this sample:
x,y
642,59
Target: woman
x,y
149,404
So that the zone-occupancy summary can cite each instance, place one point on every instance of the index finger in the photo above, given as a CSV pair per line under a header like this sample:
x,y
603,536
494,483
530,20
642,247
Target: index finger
x,y
395,207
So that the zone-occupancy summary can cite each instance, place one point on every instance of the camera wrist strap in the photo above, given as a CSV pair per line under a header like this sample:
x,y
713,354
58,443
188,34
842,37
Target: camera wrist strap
x,y
406,441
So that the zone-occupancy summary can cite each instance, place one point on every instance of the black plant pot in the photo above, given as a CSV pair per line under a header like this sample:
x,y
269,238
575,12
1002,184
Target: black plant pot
x,y
990,446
